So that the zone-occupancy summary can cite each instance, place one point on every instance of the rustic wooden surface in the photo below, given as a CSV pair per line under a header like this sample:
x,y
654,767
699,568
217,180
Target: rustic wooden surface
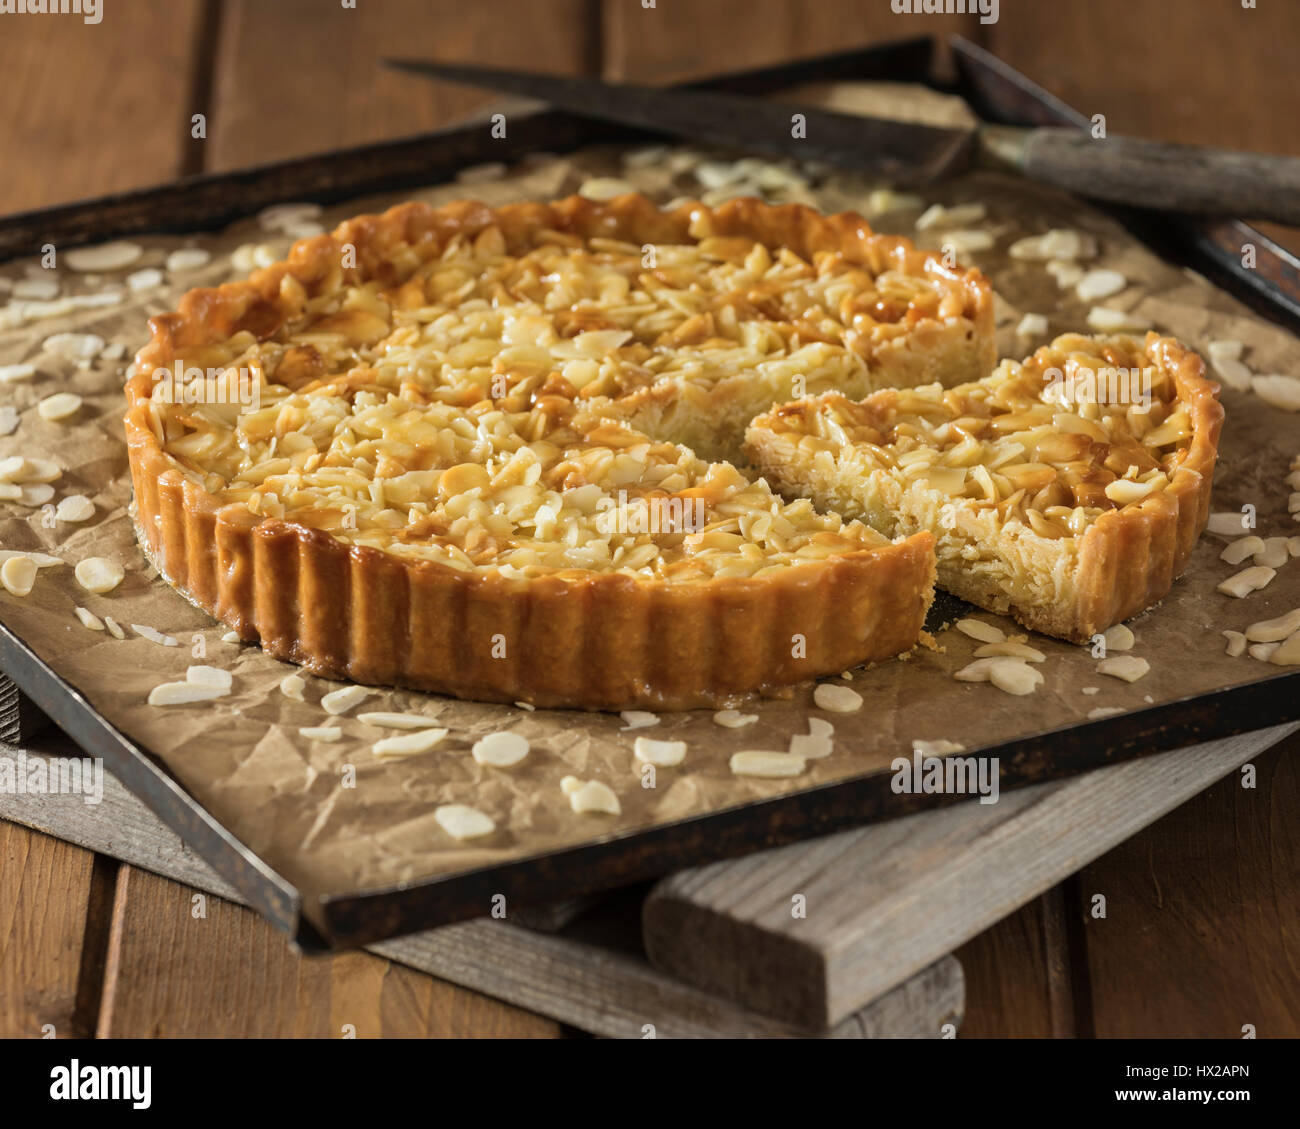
x,y
1202,922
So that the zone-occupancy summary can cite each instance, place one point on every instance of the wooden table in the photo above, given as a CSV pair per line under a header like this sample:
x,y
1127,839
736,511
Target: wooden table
x,y
1203,908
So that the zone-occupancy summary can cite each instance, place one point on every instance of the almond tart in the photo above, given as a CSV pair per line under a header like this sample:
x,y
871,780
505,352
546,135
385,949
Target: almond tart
x,y
483,451
1067,490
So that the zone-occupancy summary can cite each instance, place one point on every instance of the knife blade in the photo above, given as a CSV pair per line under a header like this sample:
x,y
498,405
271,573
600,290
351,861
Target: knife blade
x,y
1123,170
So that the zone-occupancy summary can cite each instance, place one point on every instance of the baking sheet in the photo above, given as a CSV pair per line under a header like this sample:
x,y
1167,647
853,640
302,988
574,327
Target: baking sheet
x,y
333,819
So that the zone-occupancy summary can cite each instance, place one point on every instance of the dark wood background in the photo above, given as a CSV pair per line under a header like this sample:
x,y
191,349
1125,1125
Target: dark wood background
x,y
1202,932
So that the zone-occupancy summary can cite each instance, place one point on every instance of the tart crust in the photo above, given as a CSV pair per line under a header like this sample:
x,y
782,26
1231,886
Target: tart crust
x,y
595,640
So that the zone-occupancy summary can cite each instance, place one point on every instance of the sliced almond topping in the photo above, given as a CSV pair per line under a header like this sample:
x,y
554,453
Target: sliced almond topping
x,y
501,750
1293,503
183,694
883,200
1231,523
1235,374
1014,677
153,635
292,687
760,762
605,188
187,258
1224,350
811,746
117,255
1280,391
1011,650
409,744
1273,630
1128,667
1103,711
320,732
231,637
1288,652
1099,284
279,216
80,347
36,494
593,797
837,699
1274,554
569,785
1124,491
341,700
1236,644
981,631
21,470
964,242
398,720
1293,546
1262,651
18,574
939,216
665,754
1066,274
1119,638
89,619
936,748
1106,320
1090,690
145,279
114,628
99,574
10,492
461,822
16,374
734,719
74,508
525,706
1247,581
212,676
638,719
1240,549
60,406
820,727
1032,325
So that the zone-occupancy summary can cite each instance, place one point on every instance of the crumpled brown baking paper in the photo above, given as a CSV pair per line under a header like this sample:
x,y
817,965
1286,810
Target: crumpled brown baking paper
x,y
243,758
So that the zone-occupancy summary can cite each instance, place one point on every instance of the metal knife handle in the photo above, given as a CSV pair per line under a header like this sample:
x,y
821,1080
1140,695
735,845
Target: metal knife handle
x,y
1152,174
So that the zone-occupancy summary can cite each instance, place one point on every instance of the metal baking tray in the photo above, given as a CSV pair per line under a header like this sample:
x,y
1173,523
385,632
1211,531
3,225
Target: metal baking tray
x,y
998,93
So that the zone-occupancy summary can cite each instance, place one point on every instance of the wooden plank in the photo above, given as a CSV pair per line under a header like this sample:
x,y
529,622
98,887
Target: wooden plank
x,y
728,927
676,41
1210,897
298,76
594,977
52,898
96,107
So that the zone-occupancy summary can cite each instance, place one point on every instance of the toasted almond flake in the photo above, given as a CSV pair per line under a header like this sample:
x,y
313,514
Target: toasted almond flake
x,y
320,732
60,406
502,750
569,785
594,797
1288,652
1090,690
820,727
1274,630
1103,711
1293,503
1231,523
28,470
979,630
1098,284
1010,650
409,744
292,686
10,492
1032,325
40,560
491,170
74,508
8,419
462,822
398,720
1059,244
1066,274
811,746
664,754
837,699
11,467
965,242
1103,319
1274,554
760,762
1233,373
183,694
114,628
1238,550
242,258
266,254
605,188
1293,546
36,494
1014,677
117,255
1236,644
1119,638
278,216
153,635
89,619
883,200
936,748
341,700
18,574
99,574
734,719
209,676
525,706
1247,581
41,289
1280,391
16,374
187,258
1128,667
75,346
145,279
231,637
1262,651
638,719
939,216
1220,350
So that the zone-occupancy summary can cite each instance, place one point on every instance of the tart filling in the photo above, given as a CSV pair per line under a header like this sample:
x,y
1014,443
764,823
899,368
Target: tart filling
x,y
1067,490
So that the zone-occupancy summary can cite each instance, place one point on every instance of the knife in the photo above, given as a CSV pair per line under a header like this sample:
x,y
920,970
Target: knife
x,y
1122,170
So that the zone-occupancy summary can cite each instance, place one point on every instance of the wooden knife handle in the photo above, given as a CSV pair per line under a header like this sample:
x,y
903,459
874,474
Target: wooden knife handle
x,y
1153,174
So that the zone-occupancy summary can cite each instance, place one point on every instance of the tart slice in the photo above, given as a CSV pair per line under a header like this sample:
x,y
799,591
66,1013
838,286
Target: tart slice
x,y
1067,491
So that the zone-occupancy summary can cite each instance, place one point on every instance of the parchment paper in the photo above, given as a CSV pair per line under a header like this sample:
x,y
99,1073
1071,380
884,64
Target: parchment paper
x,y
243,758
